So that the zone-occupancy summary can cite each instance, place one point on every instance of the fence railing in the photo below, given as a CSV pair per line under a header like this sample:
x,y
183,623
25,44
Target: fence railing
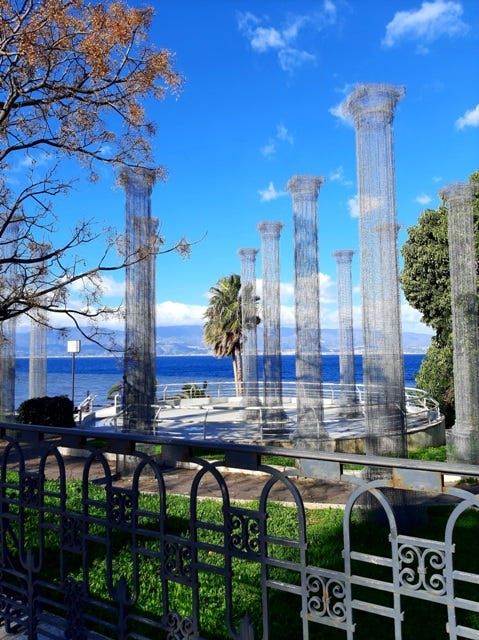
x,y
226,388
90,552
420,406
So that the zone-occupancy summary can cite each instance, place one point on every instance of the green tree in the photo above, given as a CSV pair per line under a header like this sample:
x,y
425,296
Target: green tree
x,y
426,283
222,329
75,75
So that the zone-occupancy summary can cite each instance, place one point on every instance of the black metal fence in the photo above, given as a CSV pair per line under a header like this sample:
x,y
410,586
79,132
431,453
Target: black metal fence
x,y
88,552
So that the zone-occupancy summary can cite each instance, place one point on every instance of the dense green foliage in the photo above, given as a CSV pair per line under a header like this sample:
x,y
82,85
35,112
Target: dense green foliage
x,y
437,454
426,283
56,411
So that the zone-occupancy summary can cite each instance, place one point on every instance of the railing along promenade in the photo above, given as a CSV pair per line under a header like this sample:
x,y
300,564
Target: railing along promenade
x,y
116,557
421,407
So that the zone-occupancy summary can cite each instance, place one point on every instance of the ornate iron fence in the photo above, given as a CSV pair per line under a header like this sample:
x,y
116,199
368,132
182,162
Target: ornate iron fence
x,y
87,553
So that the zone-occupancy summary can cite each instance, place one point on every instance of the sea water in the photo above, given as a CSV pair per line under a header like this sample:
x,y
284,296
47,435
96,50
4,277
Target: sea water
x,y
96,375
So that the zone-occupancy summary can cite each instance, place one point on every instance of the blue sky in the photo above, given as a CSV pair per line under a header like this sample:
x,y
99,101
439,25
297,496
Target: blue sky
x,y
263,81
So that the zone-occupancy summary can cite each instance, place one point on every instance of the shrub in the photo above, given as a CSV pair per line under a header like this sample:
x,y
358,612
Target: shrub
x,y
56,411
193,391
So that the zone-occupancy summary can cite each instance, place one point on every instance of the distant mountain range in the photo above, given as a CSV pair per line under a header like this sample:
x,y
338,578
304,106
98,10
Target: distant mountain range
x,y
188,341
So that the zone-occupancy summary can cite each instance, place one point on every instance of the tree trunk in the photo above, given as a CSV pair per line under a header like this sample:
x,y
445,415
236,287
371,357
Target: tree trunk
x,y
237,371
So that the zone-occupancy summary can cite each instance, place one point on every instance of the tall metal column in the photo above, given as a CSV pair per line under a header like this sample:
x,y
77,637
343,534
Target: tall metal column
x,y
371,107
37,371
272,367
7,369
8,327
463,440
309,426
140,353
347,370
249,324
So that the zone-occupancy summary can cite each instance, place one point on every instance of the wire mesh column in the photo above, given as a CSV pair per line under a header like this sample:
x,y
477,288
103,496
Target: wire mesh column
x,y
7,369
347,371
37,369
309,426
140,354
8,327
372,107
248,325
273,415
463,441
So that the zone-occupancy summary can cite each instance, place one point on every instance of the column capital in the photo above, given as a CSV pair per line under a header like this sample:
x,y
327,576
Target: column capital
x,y
459,191
343,256
137,177
304,186
270,227
373,100
248,253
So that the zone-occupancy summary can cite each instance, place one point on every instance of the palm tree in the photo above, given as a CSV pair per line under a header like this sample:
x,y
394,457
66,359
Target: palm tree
x,y
222,327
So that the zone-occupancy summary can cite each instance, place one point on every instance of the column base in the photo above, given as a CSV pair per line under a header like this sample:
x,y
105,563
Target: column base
x,y
462,446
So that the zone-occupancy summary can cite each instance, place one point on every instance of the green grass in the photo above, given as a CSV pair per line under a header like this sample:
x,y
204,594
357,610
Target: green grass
x,y
438,454
325,544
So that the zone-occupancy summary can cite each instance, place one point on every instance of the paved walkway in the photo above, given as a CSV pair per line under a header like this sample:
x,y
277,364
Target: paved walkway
x,y
242,485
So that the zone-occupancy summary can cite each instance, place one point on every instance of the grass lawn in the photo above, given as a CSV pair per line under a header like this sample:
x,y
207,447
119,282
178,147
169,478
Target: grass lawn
x,y
325,544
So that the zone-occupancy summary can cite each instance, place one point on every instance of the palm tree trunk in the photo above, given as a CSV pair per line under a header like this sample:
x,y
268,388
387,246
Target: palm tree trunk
x,y
237,370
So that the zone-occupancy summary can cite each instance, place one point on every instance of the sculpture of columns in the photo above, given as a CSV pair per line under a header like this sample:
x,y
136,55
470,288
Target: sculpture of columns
x,y
140,354
272,368
463,441
249,324
309,427
347,373
371,107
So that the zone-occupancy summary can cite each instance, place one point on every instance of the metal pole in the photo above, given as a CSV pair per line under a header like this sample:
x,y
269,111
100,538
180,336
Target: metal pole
x,y
73,380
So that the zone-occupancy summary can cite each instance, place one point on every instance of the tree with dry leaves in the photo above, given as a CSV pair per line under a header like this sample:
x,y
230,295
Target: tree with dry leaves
x,y
74,77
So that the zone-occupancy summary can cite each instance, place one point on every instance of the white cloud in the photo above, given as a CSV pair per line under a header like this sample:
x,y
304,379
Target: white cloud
x,y
426,24
340,112
369,203
338,176
270,193
292,29
327,290
171,313
287,316
411,320
291,59
330,10
269,149
469,119
283,40
36,160
437,179
353,206
263,39
423,198
282,135
286,290
112,288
